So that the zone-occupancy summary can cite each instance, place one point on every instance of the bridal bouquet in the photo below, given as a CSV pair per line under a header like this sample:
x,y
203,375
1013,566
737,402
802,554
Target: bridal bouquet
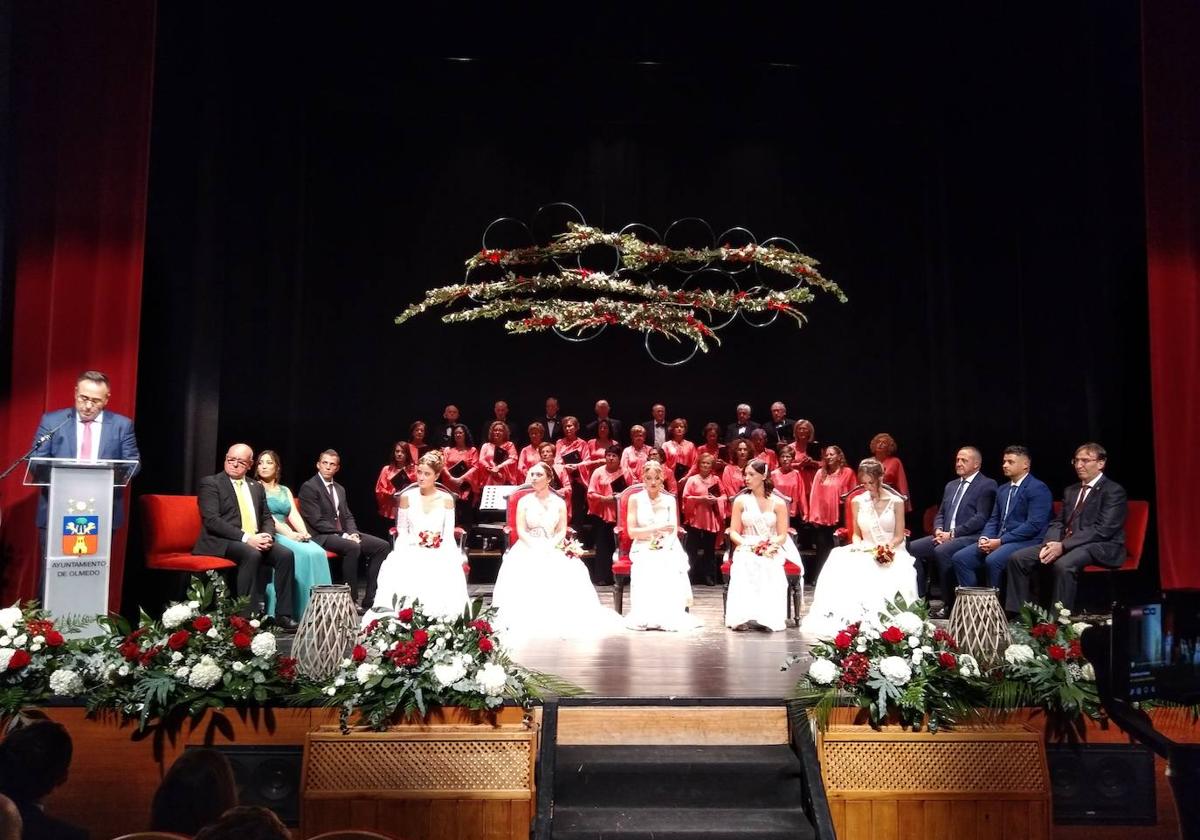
x,y
884,555
572,548
897,663
429,539
765,548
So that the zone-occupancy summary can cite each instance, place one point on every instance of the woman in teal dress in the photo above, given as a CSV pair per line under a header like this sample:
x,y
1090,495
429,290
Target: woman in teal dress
x,y
312,564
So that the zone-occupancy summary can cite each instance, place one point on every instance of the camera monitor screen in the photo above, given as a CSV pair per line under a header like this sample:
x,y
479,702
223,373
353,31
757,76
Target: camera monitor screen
x,y
1156,649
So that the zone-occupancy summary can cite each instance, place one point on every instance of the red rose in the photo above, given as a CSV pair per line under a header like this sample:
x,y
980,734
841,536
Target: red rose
x,y
421,637
946,660
941,635
239,623
486,645
1044,631
405,614
178,640
854,669
241,640
202,624
129,649
482,626
843,640
405,653
359,654
286,668
371,627
146,658
19,660
53,638
893,635
1057,652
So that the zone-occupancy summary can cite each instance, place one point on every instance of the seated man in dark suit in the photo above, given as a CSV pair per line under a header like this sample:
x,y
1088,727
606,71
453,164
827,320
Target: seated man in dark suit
x,y
966,506
742,427
236,524
326,510
1018,521
1090,529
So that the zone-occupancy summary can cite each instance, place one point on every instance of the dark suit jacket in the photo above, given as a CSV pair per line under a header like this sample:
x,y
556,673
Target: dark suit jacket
x,y
558,431
221,516
38,825
317,509
648,425
117,442
615,427
443,433
733,431
781,432
1100,521
1028,512
974,508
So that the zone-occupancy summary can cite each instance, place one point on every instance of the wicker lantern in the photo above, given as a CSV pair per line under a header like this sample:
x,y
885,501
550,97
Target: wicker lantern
x,y
978,623
326,632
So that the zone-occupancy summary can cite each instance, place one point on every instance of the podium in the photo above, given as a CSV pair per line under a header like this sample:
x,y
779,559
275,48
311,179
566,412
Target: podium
x,y
79,524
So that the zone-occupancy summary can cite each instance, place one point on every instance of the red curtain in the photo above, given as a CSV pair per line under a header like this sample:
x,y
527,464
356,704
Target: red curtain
x,y
1170,79
81,100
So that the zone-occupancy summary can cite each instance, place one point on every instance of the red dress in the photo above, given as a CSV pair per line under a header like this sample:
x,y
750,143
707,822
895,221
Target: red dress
x,y
768,456
601,485
452,456
580,447
825,504
528,457
681,454
384,500
632,461
482,476
807,467
698,513
893,475
733,479
415,452
791,484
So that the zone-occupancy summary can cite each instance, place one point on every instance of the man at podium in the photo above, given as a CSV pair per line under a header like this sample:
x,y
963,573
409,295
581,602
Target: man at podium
x,y
88,433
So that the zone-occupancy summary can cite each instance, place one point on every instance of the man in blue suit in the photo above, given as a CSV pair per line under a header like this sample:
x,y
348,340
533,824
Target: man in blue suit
x,y
1018,521
86,432
966,505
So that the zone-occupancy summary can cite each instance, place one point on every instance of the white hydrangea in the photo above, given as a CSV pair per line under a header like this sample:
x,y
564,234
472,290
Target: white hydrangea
x,y
182,673
448,673
5,641
6,654
968,666
263,644
1016,654
909,622
20,640
66,682
175,615
365,671
9,616
914,642
822,671
1087,672
176,657
205,674
239,666
895,670
492,678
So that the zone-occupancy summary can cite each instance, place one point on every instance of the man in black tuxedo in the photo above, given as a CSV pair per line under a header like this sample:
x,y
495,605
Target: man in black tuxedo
x,y
551,422
656,427
443,433
235,523
326,510
966,505
780,429
1089,530
615,426
742,427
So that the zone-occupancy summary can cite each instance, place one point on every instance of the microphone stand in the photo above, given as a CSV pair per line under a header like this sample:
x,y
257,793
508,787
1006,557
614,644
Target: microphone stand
x,y
37,444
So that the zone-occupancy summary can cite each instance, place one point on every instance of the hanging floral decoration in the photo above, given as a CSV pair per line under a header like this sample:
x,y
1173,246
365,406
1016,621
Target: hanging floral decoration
x,y
532,302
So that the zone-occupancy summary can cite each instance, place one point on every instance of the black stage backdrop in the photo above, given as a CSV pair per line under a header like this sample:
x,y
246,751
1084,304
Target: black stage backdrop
x,y
973,180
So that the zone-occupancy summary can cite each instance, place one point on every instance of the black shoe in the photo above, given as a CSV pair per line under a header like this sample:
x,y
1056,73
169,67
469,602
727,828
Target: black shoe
x,y
939,613
286,622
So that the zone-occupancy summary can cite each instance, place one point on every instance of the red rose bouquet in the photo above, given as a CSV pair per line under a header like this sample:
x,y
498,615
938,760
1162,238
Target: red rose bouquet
x,y
429,539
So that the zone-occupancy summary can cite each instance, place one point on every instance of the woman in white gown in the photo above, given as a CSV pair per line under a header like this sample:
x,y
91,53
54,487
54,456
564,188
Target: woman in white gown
x,y
758,529
856,581
661,592
541,589
425,565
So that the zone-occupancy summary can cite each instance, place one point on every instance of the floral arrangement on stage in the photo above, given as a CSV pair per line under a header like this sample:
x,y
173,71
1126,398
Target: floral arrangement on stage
x,y
897,664
1044,666
613,299
407,663
36,660
202,654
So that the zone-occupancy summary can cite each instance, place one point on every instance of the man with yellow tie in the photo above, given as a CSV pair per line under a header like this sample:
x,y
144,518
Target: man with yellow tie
x,y
235,523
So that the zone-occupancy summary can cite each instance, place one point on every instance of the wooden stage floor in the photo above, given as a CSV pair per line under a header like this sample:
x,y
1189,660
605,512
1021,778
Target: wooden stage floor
x,y
711,662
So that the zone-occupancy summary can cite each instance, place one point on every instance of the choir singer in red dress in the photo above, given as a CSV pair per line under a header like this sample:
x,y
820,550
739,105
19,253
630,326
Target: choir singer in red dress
x,y
387,485
704,513
883,449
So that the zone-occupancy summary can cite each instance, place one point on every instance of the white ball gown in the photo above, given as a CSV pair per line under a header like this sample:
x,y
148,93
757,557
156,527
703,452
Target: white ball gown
x,y
540,590
757,584
852,585
660,591
416,572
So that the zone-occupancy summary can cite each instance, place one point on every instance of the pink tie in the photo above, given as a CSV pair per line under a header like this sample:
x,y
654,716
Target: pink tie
x,y
85,451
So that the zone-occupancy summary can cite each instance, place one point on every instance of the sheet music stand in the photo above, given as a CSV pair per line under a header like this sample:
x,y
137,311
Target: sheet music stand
x,y
493,508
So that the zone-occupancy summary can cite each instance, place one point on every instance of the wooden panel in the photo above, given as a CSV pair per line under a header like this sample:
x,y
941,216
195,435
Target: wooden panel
x,y
470,819
520,817
884,820
937,821
910,819
1016,820
495,820
858,821
364,813
962,818
1039,821
443,820
837,814
989,819
665,725
326,816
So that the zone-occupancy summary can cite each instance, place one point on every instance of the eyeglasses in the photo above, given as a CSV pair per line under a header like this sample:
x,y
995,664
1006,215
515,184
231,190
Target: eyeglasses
x,y
241,461
1077,461
80,398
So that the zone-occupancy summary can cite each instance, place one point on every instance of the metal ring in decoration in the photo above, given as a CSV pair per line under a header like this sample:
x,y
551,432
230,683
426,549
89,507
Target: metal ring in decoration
x,y
736,237
606,258
715,320
662,340
518,232
762,319
690,232
643,232
586,334
545,226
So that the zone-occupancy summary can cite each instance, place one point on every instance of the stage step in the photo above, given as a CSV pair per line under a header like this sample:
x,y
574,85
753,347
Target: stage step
x,y
701,777
655,791
680,824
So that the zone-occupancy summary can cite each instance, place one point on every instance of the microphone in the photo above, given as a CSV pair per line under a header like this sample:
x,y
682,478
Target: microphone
x,y
49,434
